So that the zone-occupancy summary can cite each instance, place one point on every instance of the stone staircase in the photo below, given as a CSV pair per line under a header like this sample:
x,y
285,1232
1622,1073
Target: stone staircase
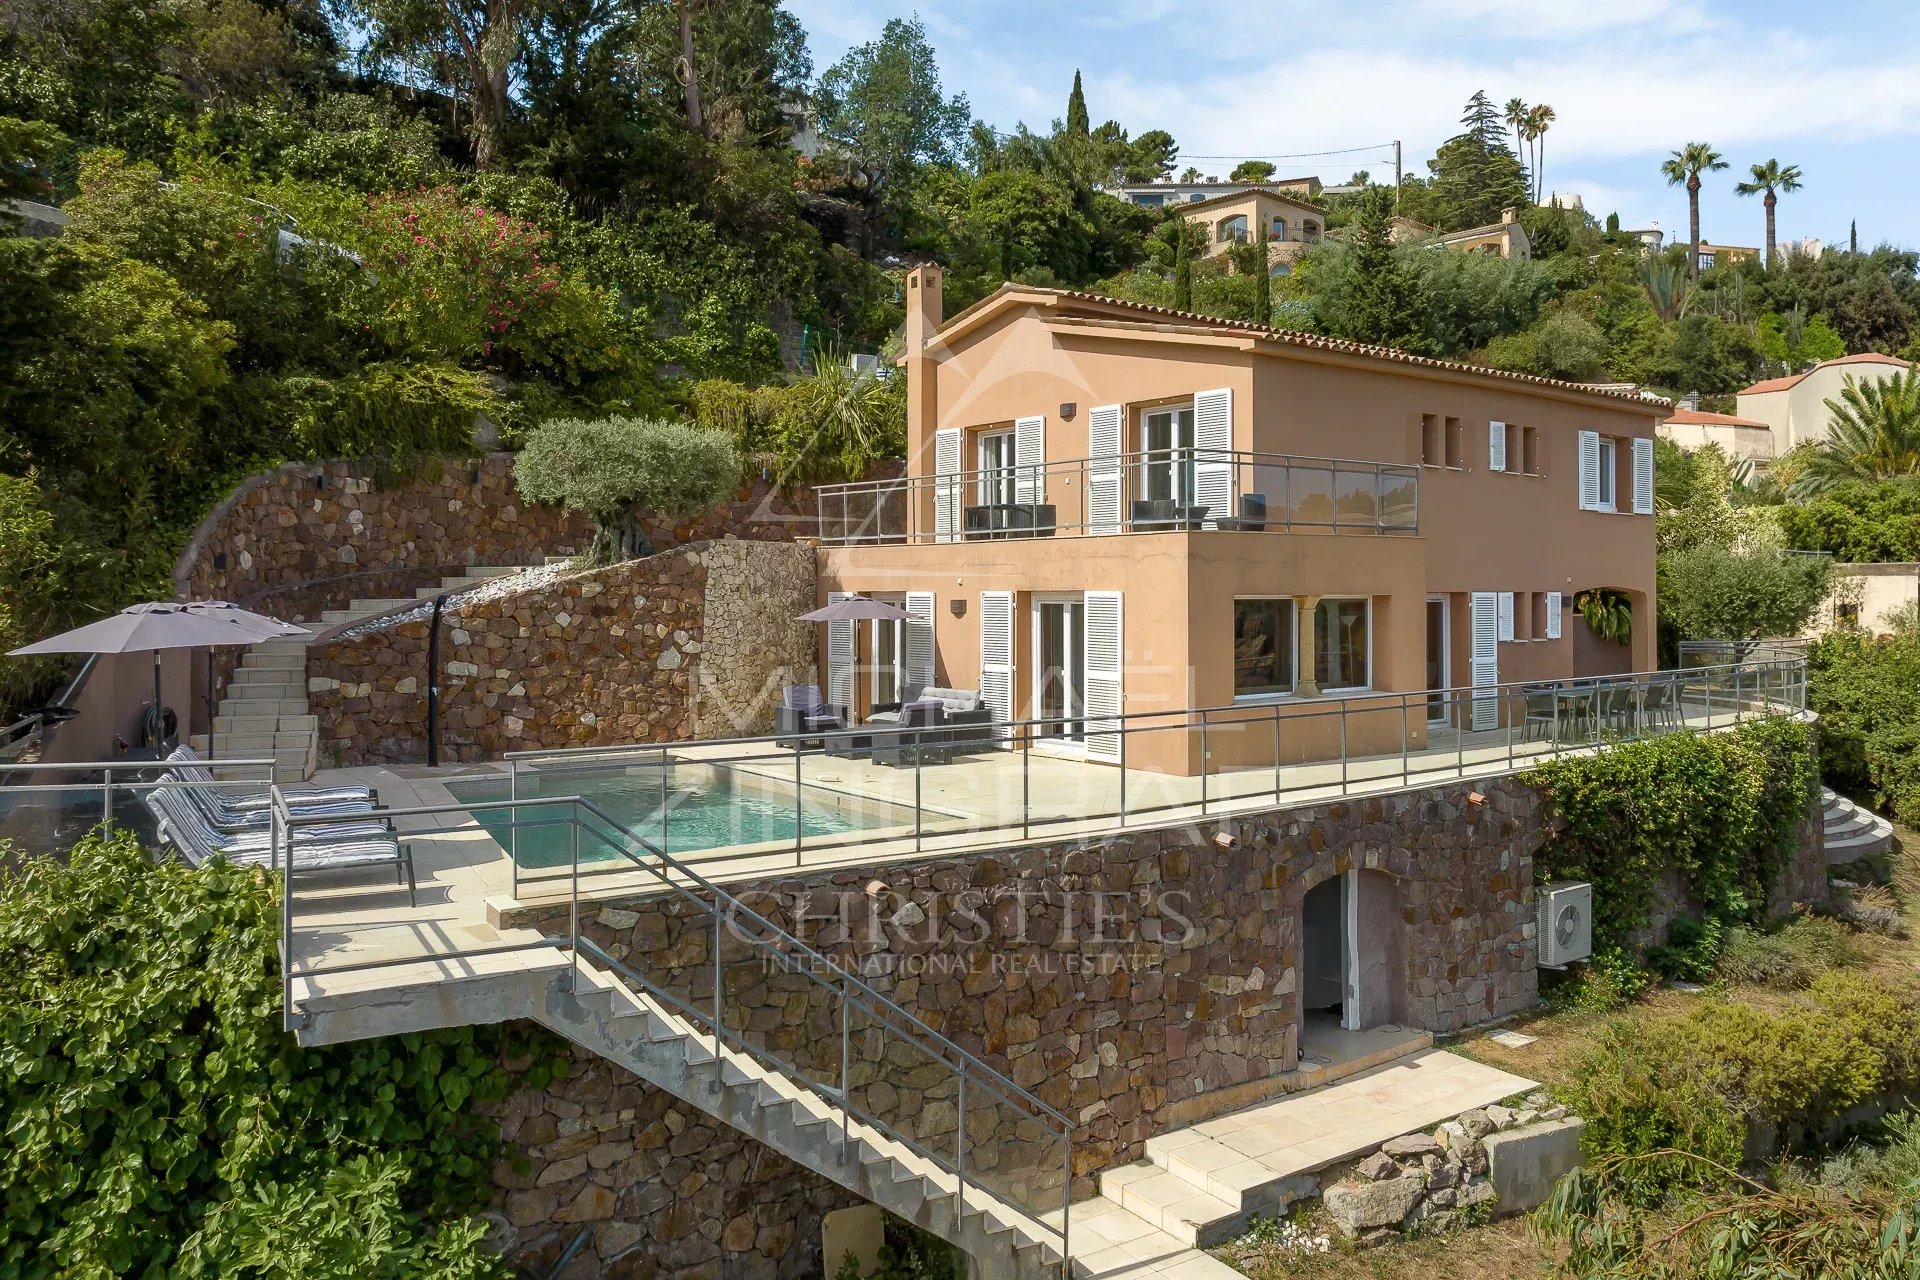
x,y
265,709
1850,832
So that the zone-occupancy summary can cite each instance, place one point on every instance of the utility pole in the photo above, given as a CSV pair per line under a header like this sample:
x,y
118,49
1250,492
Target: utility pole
x,y
1396,175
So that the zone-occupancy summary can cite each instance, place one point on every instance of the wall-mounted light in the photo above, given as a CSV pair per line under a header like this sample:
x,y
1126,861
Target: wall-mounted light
x,y
320,480
1067,410
957,607
219,559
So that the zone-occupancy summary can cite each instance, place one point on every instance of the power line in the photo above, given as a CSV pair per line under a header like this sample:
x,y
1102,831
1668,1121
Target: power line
x,y
1295,155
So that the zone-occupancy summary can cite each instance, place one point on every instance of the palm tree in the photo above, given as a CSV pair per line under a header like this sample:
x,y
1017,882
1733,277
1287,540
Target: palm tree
x,y
1668,292
1684,169
1516,116
1539,120
1873,433
1771,178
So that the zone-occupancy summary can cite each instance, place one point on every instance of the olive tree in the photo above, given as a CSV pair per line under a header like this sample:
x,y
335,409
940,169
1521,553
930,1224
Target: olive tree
x,y
1713,592
621,470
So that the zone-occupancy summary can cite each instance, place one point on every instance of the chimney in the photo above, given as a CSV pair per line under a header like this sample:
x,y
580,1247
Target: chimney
x,y
1509,214
923,321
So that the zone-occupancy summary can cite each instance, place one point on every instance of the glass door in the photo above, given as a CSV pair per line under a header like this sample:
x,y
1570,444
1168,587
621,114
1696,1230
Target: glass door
x,y
1060,688
889,655
997,486
1166,446
1438,643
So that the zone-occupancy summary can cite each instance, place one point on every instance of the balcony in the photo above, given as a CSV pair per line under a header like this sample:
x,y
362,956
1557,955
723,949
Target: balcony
x,y
1163,491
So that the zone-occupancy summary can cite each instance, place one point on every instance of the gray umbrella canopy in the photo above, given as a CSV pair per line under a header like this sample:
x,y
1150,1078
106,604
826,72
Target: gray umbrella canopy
x,y
857,609
164,624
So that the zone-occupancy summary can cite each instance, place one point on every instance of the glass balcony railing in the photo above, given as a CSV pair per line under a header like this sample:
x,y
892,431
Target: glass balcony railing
x,y
1160,491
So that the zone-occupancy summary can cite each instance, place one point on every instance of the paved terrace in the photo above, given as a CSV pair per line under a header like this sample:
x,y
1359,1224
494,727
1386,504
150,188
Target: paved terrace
x,y
468,889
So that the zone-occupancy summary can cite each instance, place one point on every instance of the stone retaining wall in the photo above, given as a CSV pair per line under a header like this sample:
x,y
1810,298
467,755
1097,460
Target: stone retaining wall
x,y
1135,983
312,535
660,1189
599,657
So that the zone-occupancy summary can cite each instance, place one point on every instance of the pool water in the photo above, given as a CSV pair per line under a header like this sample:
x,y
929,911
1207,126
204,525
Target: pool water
x,y
705,810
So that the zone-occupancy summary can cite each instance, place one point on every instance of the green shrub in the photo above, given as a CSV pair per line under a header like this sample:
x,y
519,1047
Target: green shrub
x,y
1612,980
621,470
160,1121
1723,809
1696,1082
1690,950
1867,691
1789,958
832,424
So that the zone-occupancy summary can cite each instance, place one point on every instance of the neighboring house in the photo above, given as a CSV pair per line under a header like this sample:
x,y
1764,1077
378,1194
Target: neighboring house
x,y
1742,439
1795,408
1157,195
1111,507
1868,597
1806,247
1651,238
1288,226
1505,238
1713,255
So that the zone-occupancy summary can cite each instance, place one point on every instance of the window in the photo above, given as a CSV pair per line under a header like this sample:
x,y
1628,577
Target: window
x,y
1529,450
1151,200
1433,447
889,655
1263,645
1539,629
996,468
1277,230
1341,644
1456,444
1846,615
1166,446
1606,473
1310,232
1233,229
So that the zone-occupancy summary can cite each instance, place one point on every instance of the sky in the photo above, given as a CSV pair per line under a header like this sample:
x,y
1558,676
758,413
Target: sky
x,y
1831,87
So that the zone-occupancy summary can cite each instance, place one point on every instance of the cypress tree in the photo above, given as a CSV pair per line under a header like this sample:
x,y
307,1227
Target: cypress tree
x,y
1079,124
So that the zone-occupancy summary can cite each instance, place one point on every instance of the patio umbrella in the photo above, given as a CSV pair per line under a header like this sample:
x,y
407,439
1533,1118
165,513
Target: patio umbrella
x,y
855,609
158,625
256,626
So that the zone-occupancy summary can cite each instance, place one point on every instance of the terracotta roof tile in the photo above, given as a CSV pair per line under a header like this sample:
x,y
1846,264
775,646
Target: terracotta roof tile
x,y
1781,384
1310,341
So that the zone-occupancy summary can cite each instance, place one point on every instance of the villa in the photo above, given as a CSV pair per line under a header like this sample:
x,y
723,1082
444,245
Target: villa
x,y
1116,509
1794,408
1287,224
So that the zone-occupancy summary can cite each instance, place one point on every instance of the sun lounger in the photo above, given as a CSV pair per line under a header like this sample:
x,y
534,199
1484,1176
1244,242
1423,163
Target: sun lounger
x,y
189,766
325,847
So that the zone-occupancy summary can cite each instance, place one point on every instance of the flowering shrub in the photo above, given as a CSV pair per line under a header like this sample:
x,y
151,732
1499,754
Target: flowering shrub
x,y
454,276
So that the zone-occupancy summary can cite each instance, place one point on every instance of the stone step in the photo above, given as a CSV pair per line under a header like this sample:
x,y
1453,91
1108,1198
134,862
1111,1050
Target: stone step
x,y
1168,1202
284,674
264,692
482,572
223,725
263,707
366,608
291,659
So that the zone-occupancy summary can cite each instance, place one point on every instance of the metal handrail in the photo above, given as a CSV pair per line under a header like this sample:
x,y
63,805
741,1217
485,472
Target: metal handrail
x,y
1052,497
1323,705
724,909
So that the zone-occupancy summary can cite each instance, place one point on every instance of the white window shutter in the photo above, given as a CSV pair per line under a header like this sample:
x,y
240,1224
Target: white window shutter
x,y
1030,457
1213,454
1553,615
1506,615
1642,477
1105,679
1589,470
996,654
919,664
1103,495
1485,664
1496,446
839,657
946,485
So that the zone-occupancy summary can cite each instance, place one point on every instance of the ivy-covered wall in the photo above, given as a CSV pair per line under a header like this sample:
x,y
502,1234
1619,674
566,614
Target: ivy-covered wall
x,y
1720,827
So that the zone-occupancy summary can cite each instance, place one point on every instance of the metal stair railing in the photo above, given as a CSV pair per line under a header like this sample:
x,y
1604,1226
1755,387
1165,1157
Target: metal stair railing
x,y
853,1046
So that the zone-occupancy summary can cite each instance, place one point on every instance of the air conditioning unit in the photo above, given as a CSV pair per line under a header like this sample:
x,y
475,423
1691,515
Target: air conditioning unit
x,y
1566,922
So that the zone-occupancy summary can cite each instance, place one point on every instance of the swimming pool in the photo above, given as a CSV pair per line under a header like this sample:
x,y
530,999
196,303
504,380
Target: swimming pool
x,y
706,809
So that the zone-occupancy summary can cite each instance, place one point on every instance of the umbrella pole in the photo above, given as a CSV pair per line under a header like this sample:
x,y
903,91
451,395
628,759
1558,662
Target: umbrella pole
x,y
209,701
159,714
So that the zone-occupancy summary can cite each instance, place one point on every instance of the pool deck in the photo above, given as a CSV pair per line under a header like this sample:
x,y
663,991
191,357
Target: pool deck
x,y
469,900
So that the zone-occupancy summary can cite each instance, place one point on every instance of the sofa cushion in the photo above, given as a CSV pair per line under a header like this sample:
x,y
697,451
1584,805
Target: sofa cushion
x,y
952,699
